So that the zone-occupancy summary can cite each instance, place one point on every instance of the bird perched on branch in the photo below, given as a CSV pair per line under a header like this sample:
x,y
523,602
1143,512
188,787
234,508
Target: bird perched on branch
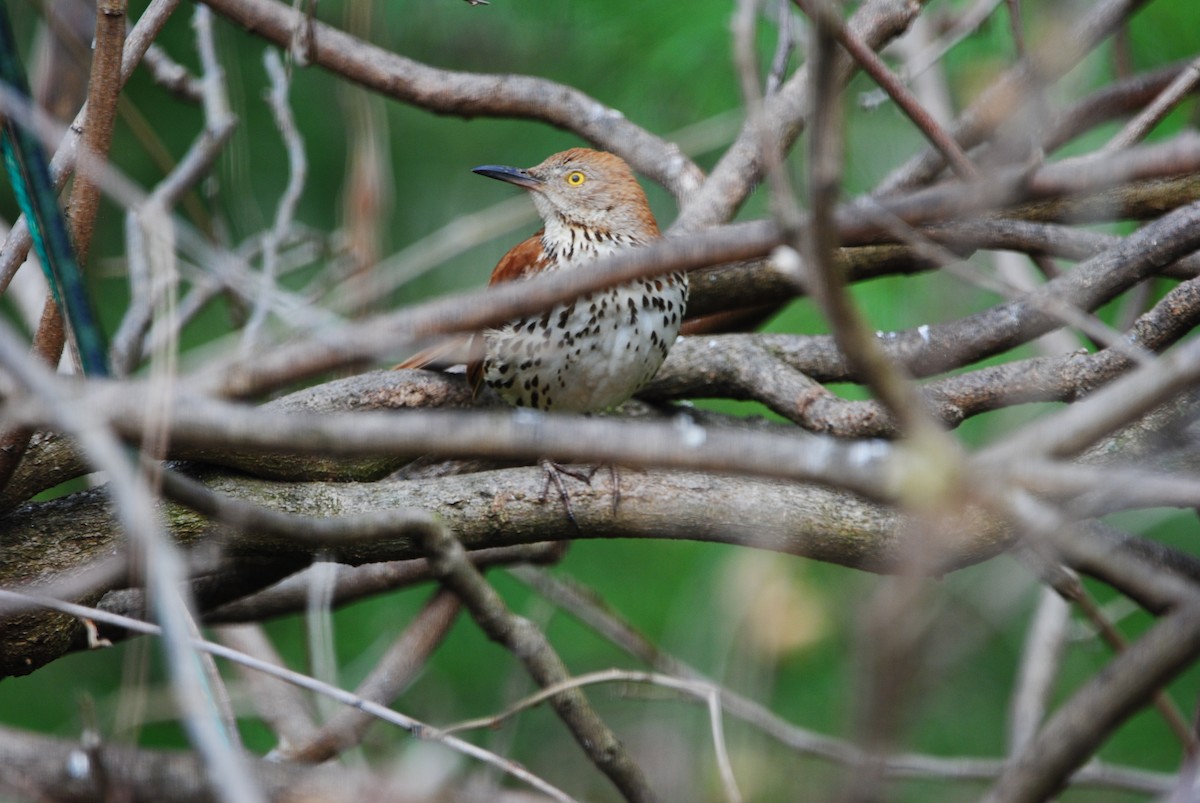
x,y
596,351
592,353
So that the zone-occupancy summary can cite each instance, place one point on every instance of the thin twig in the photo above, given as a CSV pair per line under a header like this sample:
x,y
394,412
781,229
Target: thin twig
x,y
1162,701
702,690
1015,26
226,265
286,210
784,207
785,43
1137,128
1041,658
172,75
908,103
965,24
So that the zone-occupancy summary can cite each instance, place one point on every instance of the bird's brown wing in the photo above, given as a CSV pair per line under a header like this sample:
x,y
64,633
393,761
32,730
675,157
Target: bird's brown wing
x,y
522,260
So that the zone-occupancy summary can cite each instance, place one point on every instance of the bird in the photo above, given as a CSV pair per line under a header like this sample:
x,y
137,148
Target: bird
x,y
590,354
595,352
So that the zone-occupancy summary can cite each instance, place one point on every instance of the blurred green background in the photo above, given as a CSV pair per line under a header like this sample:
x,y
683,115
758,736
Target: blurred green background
x,y
780,629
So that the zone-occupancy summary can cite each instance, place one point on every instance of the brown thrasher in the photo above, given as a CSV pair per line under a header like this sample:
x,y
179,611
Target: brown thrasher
x,y
596,351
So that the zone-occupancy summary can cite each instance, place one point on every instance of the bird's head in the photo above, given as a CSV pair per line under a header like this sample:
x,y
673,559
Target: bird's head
x,y
586,188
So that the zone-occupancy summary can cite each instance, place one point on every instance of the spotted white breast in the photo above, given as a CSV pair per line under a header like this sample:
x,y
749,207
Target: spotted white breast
x,y
595,352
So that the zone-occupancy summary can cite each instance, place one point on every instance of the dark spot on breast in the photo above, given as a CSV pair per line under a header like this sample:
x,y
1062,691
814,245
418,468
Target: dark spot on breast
x,y
564,315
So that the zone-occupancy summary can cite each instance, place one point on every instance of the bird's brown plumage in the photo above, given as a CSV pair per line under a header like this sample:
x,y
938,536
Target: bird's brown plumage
x,y
526,258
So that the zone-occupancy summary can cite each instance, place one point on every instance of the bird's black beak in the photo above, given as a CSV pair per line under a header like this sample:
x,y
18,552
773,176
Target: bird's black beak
x,y
513,175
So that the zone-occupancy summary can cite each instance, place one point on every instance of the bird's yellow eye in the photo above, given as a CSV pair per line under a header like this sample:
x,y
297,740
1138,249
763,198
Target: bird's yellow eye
x,y
575,178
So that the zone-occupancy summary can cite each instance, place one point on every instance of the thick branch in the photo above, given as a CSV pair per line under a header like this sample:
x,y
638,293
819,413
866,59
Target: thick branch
x,y
52,540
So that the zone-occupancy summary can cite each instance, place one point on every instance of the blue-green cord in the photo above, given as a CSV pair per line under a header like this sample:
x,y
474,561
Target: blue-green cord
x,y
29,172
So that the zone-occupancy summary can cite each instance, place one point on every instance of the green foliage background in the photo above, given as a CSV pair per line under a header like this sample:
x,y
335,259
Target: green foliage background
x,y
667,66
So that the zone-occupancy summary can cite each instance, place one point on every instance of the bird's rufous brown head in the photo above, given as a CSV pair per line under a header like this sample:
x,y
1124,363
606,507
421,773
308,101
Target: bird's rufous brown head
x,y
584,188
